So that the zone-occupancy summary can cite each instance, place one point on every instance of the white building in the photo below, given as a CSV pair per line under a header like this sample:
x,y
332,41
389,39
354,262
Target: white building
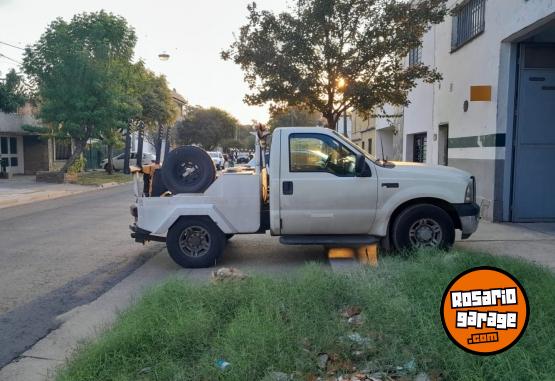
x,y
493,114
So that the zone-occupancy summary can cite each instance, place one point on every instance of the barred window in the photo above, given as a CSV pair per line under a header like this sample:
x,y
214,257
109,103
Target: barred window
x,y
415,56
62,149
468,22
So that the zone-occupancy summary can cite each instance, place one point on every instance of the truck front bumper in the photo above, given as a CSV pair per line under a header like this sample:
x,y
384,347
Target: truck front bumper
x,y
469,215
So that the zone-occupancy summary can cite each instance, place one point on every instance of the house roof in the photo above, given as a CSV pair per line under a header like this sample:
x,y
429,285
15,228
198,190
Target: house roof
x,y
178,97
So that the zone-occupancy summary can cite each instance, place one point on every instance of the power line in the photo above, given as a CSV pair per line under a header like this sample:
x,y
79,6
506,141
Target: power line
x,y
8,58
11,46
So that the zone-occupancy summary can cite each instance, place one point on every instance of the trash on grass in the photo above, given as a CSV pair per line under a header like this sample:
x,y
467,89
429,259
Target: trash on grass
x,y
323,360
350,311
222,364
356,320
277,376
228,273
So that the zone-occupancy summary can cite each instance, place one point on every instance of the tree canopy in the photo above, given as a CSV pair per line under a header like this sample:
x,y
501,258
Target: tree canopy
x,y
207,127
334,55
81,71
12,92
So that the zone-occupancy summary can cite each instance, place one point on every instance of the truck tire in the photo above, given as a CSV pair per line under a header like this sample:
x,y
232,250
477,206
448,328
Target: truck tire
x,y
188,169
423,226
195,242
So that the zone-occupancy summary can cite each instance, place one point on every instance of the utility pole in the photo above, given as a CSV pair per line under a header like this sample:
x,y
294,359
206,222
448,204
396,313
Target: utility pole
x,y
159,143
127,150
345,123
168,143
140,140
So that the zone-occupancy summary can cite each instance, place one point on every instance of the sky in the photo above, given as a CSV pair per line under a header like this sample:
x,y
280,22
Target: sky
x,y
192,32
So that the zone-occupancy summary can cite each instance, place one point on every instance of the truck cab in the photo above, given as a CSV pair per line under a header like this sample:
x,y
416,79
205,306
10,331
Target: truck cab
x,y
316,188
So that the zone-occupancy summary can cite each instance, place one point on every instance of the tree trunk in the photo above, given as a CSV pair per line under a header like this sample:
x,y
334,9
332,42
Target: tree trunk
x,y
331,122
79,147
110,165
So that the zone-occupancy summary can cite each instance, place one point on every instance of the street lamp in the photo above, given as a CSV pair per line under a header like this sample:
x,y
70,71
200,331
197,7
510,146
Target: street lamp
x,y
164,56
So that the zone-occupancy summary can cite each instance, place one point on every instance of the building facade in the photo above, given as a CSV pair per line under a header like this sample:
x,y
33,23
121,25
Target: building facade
x,y
23,152
363,132
493,113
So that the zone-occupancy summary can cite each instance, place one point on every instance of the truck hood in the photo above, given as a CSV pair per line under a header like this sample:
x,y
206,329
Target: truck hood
x,y
422,170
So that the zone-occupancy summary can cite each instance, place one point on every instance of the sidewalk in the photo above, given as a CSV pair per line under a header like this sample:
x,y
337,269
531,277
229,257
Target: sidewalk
x,y
534,242
24,189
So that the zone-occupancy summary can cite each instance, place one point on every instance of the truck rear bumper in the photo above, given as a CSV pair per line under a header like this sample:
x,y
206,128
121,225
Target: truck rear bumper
x,y
142,236
469,215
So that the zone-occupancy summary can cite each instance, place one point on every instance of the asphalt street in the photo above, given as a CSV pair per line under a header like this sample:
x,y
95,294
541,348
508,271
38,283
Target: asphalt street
x,y
60,254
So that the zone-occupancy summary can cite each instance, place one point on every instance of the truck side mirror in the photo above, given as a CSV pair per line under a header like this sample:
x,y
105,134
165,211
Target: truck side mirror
x,y
360,166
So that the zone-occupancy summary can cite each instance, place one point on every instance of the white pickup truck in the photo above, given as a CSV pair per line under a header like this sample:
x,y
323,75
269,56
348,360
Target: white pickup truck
x,y
315,187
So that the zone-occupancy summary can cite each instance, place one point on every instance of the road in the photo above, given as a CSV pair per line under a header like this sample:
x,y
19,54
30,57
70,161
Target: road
x,y
59,254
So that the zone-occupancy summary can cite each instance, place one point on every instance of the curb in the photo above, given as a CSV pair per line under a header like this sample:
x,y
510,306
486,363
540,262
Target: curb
x,y
57,194
83,323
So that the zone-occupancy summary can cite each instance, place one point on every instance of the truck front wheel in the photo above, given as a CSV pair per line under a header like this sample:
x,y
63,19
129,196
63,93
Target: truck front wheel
x,y
195,242
423,226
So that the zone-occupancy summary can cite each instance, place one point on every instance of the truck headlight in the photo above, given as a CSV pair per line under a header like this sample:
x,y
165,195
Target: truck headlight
x,y
470,194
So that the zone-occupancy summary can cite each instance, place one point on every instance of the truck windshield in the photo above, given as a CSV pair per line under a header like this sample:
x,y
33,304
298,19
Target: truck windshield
x,y
357,148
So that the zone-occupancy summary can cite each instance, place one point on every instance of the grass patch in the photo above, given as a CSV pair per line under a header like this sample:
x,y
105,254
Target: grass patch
x,y
260,325
102,177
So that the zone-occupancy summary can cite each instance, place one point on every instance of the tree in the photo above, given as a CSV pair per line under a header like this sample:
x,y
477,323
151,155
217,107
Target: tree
x,y
12,92
158,110
80,70
293,116
206,127
334,55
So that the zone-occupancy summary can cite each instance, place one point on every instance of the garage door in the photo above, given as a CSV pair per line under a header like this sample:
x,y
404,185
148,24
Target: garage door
x,y
534,168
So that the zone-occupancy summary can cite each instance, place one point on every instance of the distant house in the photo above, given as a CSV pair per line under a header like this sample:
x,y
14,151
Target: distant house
x,y
24,152
363,132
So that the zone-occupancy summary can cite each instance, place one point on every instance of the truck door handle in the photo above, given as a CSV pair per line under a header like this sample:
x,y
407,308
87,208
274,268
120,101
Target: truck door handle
x,y
287,187
390,185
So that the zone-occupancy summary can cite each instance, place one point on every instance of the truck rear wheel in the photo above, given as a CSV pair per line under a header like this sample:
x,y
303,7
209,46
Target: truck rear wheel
x,y
188,169
195,242
423,226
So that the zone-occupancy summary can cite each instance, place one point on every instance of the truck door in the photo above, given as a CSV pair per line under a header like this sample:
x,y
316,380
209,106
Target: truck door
x,y
319,191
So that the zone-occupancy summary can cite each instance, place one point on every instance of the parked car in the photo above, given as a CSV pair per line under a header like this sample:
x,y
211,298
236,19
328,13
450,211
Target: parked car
x,y
217,158
243,158
117,161
318,189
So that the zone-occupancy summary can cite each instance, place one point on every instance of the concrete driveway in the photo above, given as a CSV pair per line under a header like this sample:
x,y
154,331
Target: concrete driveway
x,y
534,242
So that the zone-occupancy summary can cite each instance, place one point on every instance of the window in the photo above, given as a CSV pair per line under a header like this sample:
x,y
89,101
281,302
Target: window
x,y
4,145
13,146
13,162
362,145
370,146
63,149
320,153
415,56
468,22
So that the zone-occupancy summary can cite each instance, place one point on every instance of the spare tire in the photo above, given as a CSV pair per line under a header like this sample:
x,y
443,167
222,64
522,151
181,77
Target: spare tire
x,y
188,169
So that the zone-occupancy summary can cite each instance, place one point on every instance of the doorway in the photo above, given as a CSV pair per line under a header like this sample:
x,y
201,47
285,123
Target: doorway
x,y
533,198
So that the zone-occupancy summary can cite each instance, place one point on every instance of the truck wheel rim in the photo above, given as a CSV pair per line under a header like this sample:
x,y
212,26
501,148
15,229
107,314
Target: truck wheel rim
x,y
425,232
188,172
194,241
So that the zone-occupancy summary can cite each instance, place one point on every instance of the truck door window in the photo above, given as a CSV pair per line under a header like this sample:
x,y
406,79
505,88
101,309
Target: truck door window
x,y
320,153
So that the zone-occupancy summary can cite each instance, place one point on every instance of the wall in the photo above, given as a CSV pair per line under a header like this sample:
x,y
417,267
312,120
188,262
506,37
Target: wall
x,y
35,151
477,138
